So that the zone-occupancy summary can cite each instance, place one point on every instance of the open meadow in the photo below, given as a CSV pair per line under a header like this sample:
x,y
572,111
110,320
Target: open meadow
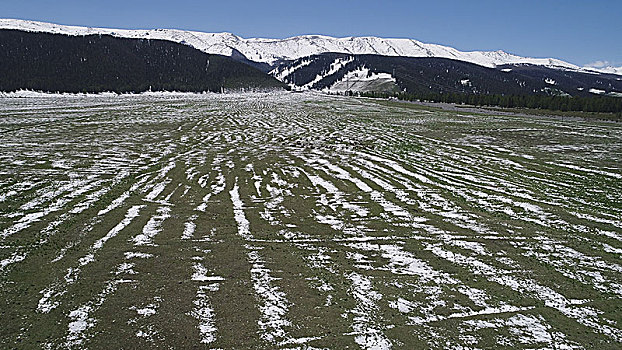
x,y
304,221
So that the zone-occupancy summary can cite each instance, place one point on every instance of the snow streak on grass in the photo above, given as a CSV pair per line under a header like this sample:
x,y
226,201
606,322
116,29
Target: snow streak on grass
x,y
304,221
272,302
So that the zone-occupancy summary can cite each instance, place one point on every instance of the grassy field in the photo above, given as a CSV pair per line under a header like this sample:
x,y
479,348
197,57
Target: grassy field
x,y
304,221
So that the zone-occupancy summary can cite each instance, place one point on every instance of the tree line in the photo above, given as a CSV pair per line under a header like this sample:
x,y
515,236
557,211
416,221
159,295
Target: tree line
x,y
601,104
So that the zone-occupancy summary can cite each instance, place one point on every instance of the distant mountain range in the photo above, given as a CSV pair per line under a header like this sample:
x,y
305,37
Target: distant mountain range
x,y
371,63
271,51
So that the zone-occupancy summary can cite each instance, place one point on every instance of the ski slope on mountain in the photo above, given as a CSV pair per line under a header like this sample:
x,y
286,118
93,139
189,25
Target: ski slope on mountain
x,y
362,79
272,51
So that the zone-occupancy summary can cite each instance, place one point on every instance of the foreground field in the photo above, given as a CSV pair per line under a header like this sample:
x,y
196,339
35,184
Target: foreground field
x,y
304,221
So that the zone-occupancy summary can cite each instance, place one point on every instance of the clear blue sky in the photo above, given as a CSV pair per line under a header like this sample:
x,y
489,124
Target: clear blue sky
x,y
579,31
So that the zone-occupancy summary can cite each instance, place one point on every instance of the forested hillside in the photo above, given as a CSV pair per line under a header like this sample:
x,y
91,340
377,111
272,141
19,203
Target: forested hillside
x,y
96,63
441,75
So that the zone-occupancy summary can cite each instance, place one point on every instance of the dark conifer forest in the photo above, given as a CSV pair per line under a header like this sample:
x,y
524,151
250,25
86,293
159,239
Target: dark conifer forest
x,y
602,104
451,81
97,63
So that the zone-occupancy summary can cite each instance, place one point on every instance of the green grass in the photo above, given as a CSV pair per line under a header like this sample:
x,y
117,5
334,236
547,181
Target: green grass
x,y
371,223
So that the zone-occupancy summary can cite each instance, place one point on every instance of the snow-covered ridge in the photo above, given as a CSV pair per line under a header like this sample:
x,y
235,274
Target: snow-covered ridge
x,y
272,50
610,70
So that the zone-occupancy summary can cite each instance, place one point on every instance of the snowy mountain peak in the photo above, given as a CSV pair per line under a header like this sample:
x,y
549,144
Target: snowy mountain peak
x,y
609,70
272,51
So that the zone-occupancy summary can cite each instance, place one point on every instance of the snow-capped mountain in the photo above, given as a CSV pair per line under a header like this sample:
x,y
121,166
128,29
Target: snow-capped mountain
x,y
610,70
272,51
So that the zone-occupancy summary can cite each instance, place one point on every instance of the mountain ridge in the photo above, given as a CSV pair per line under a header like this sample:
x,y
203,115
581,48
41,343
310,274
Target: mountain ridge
x,y
273,51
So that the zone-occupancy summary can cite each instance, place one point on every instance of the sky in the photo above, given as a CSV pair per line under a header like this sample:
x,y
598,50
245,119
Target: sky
x,y
583,32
